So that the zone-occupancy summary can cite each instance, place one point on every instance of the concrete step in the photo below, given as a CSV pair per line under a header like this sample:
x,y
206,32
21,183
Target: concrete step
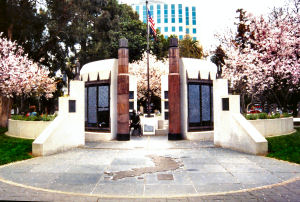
x,y
161,132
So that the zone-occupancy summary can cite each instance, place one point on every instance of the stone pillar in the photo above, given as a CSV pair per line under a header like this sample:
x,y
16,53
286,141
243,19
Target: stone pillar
x,y
123,92
174,92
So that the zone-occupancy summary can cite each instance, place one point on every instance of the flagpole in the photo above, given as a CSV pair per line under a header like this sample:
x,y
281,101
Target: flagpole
x,y
148,80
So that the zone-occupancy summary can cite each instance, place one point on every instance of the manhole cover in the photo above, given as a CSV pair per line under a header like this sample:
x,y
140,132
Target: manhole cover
x,y
165,177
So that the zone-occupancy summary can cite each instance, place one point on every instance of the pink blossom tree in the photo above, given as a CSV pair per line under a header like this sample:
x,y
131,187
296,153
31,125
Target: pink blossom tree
x,y
157,68
269,63
20,76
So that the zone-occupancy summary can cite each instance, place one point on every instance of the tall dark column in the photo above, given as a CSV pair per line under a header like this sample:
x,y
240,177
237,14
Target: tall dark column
x,y
123,92
174,92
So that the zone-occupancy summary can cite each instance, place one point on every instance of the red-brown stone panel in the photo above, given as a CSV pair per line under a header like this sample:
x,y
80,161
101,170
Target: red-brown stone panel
x,y
123,84
174,104
123,60
174,60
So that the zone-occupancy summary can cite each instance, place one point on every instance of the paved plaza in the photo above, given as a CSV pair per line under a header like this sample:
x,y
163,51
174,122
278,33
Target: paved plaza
x,y
150,169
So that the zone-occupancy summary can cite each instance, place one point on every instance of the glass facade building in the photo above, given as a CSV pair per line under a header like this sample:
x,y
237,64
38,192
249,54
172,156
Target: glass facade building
x,y
158,18
170,16
166,13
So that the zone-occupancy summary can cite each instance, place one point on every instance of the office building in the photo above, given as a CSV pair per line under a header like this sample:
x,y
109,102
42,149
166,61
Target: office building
x,y
171,17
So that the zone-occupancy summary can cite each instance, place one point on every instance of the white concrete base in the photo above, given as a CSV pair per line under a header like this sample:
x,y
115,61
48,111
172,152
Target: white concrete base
x,y
231,129
26,129
161,132
274,127
149,125
96,136
296,122
67,129
201,136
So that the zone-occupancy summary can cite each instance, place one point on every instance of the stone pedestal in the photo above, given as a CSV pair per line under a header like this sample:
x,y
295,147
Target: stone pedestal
x,y
174,92
149,125
123,133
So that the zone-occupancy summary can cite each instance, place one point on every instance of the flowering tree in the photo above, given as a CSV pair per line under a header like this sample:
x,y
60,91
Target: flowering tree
x,y
157,68
20,76
269,63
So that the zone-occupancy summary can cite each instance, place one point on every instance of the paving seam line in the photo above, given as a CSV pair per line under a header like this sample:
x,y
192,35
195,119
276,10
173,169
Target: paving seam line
x,y
125,196
134,197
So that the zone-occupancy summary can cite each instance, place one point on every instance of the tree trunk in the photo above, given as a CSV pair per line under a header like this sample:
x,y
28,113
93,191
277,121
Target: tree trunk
x,y
10,31
243,107
5,108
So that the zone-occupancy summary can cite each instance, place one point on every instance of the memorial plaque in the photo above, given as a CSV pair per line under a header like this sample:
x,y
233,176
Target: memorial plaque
x,y
225,104
194,103
103,97
72,105
92,105
166,115
205,93
166,94
131,94
166,105
86,103
131,105
148,128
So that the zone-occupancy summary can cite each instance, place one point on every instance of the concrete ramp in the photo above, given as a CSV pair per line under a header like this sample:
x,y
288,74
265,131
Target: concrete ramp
x,y
67,129
231,129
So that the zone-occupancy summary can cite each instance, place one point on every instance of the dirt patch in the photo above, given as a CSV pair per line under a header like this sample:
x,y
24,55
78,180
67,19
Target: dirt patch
x,y
161,164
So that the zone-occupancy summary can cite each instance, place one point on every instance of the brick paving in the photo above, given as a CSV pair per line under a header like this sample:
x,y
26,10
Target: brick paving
x,y
207,174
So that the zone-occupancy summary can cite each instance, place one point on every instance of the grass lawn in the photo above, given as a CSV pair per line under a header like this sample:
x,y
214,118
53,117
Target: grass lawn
x,y
285,147
13,149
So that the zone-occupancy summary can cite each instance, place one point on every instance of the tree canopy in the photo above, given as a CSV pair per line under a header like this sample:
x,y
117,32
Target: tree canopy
x,y
20,75
264,57
188,47
57,32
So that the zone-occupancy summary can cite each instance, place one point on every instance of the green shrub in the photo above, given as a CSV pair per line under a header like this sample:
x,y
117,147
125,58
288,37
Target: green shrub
x,y
33,118
265,116
17,117
271,116
48,118
286,115
277,115
274,116
251,116
262,115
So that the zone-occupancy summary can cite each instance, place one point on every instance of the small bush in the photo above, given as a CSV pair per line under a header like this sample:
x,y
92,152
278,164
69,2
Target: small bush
x,y
285,115
251,116
277,115
262,115
17,117
33,118
266,116
274,116
271,117
48,118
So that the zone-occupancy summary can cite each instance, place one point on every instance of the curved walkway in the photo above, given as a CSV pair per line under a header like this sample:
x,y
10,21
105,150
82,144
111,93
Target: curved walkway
x,y
147,169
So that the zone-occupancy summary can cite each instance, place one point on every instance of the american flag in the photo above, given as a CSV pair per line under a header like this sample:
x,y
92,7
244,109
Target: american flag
x,y
151,24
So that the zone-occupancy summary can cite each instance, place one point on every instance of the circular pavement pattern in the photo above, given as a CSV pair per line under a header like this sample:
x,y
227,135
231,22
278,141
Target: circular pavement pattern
x,y
147,168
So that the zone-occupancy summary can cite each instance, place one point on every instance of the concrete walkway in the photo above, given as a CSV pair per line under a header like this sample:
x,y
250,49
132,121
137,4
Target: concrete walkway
x,y
150,169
